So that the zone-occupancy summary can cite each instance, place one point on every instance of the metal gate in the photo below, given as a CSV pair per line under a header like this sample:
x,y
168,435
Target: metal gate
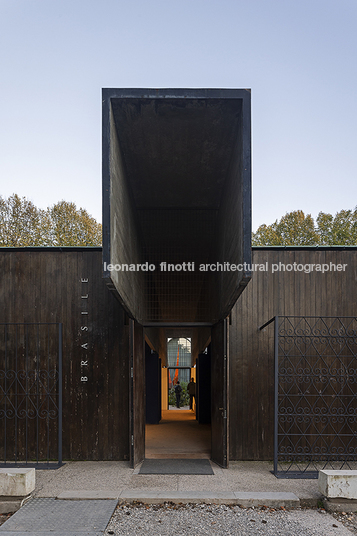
x,y
315,395
31,395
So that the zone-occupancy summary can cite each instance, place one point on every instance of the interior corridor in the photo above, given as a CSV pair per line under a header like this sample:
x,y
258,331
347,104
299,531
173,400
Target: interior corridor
x,y
178,436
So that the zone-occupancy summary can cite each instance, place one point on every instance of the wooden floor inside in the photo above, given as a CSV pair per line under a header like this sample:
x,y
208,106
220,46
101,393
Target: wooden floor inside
x,y
178,436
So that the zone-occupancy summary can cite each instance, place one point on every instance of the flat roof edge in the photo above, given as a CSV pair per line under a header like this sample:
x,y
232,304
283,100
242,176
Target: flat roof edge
x,y
50,248
305,248
176,93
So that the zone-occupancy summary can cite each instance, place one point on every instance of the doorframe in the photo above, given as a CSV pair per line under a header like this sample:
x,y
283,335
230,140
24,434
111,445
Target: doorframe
x,y
168,381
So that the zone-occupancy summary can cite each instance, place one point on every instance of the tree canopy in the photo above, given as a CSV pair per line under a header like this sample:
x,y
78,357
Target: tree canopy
x,y
296,229
23,224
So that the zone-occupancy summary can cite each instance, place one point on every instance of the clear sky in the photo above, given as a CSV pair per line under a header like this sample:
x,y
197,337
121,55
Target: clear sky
x,y
299,57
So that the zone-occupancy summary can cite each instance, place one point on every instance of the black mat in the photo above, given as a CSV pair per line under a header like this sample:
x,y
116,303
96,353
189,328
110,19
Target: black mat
x,y
176,467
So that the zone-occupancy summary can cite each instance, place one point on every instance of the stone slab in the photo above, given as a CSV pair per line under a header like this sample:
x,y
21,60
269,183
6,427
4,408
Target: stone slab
x,y
17,482
340,505
10,506
60,518
338,484
184,497
82,495
245,499
272,499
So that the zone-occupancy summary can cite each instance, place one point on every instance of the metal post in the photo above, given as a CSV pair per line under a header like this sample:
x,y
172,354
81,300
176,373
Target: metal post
x,y
6,394
60,330
27,394
276,391
16,397
131,384
225,401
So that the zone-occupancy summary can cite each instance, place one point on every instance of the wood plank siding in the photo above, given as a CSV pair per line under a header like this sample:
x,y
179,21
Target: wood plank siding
x,y
332,293
51,285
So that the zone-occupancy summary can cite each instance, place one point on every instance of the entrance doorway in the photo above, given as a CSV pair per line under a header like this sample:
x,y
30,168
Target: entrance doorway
x,y
176,196
156,430
184,376
181,368
179,433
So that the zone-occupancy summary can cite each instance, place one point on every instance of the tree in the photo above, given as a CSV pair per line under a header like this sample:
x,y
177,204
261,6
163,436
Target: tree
x,y
72,227
341,229
20,223
23,224
296,229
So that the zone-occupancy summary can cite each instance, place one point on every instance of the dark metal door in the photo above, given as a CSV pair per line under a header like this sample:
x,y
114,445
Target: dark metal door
x,y
315,395
219,390
137,393
30,394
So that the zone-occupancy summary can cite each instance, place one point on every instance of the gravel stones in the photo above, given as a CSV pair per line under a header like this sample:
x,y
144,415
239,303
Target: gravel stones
x,y
217,520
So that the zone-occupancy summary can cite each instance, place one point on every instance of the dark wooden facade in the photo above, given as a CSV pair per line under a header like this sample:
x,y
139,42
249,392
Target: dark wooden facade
x,y
251,378
51,285
58,285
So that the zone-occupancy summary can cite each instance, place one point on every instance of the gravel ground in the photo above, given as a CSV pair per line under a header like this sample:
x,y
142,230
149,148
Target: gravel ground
x,y
4,517
225,520
216,520
349,519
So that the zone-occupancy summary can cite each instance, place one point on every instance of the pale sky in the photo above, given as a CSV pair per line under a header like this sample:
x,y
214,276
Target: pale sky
x,y
299,58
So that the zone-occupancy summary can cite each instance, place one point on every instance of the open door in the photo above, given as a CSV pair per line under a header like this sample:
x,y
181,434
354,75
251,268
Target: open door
x,y
137,393
219,390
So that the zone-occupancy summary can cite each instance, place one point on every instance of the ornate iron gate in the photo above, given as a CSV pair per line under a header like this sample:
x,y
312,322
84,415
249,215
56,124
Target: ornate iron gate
x,y
315,395
31,395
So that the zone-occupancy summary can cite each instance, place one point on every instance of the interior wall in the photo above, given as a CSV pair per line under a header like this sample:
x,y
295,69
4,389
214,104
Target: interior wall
x,y
137,393
125,242
194,375
153,386
201,338
164,389
252,351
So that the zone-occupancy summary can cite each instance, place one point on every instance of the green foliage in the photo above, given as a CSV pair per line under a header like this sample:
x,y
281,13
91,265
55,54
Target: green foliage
x,y
72,227
341,229
185,397
296,229
20,223
23,224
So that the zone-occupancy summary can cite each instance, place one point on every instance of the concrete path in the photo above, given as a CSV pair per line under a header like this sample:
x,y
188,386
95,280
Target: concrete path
x,y
118,480
79,498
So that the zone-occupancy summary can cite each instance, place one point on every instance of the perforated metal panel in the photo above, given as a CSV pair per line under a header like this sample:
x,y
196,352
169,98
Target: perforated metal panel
x,y
316,395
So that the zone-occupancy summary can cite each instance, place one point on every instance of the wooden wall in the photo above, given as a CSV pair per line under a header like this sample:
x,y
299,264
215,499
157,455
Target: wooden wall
x,y
251,351
48,285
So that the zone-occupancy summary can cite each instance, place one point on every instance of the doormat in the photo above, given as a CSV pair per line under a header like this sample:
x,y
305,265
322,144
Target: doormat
x,y
176,467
